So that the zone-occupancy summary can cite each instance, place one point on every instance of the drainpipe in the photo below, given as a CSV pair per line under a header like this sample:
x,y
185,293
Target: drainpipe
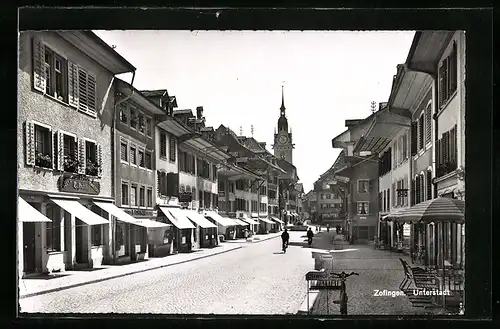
x,y
113,148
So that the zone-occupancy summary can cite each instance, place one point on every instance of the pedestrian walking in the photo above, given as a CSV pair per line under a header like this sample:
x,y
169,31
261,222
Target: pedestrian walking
x,y
285,238
310,235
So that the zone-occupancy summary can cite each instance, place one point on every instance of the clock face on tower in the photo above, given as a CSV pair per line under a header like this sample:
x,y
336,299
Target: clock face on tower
x,y
283,139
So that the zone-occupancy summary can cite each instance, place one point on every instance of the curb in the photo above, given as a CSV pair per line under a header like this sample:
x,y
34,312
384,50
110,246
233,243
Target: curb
x,y
119,275
303,307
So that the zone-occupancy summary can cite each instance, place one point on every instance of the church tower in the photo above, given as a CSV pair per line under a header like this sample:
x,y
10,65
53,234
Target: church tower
x,y
283,146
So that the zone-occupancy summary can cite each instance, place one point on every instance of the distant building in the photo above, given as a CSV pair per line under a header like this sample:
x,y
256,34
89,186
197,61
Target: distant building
x,y
283,144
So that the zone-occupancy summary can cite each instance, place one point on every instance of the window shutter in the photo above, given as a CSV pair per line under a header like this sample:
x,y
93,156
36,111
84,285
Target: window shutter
x,y
446,147
453,145
442,84
81,156
422,188
412,193
414,138
82,90
30,143
428,123
60,151
429,184
417,190
54,150
73,98
164,186
91,90
158,182
98,157
39,79
421,132
453,64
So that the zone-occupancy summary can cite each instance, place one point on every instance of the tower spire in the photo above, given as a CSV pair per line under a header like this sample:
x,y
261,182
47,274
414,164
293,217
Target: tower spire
x,y
282,108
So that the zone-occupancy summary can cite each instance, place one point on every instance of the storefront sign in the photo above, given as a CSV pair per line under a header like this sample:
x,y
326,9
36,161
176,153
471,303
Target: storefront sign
x,y
406,229
141,212
79,185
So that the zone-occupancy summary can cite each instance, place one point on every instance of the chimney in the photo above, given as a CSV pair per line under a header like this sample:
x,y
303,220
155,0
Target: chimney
x,y
199,112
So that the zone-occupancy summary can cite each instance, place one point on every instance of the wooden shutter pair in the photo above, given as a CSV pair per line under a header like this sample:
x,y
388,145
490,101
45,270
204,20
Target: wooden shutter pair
x,y
429,184
413,193
30,151
453,147
83,86
428,123
443,82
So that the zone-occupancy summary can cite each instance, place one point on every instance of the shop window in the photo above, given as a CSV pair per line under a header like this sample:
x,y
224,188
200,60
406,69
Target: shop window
x,y
149,127
96,231
70,158
43,147
124,114
363,208
53,229
91,164
123,152
142,195
133,155
125,194
150,197
141,159
147,160
363,186
133,195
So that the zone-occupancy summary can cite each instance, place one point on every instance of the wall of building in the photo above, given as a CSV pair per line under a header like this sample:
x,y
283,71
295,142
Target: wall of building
x,y
165,164
59,116
366,170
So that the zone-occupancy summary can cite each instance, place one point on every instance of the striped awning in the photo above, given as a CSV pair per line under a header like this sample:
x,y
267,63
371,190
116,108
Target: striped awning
x,y
435,210
266,220
240,222
249,221
277,220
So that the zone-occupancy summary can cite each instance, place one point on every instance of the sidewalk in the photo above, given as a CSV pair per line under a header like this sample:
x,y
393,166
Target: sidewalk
x,y
29,287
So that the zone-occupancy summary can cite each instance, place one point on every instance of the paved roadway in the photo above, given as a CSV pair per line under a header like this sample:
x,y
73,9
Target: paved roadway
x,y
378,269
257,279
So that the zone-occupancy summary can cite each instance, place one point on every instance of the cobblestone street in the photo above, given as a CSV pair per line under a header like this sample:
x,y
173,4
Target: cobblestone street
x,y
256,279
378,269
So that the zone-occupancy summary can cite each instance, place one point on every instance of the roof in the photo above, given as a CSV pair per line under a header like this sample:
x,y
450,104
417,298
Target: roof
x,y
252,144
139,97
153,93
183,112
207,129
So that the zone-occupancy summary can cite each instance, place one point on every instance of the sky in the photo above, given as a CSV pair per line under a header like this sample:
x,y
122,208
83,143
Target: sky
x,y
237,76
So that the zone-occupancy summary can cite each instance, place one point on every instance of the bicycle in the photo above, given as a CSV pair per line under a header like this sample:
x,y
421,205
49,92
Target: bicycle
x,y
343,292
417,255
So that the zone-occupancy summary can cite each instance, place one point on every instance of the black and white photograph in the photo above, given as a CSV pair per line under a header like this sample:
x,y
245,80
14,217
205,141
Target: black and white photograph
x,y
236,172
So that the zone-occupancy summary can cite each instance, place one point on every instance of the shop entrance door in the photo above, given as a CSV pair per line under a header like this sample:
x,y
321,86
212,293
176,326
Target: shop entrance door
x,y
29,247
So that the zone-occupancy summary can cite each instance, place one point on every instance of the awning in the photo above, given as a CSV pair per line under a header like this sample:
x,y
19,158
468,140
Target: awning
x,y
265,219
240,222
439,209
198,218
277,220
27,214
124,217
250,221
224,221
177,217
81,212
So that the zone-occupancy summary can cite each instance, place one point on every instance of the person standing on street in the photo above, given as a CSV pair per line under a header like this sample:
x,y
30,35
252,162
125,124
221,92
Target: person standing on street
x,y
285,237
310,235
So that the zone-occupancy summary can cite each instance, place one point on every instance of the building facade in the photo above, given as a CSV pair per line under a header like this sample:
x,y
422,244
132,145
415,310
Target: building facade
x,y
66,104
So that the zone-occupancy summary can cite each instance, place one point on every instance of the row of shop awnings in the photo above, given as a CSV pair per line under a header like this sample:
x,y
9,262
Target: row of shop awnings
x,y
435,210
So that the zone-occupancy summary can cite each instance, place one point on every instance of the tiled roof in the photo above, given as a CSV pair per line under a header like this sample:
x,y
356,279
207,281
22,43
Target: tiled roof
x,y
207,129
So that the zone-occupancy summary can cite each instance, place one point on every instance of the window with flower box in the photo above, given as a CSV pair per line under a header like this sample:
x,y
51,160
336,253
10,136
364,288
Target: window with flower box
x,y
91,165
69,155
363,208
39,145
56,75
